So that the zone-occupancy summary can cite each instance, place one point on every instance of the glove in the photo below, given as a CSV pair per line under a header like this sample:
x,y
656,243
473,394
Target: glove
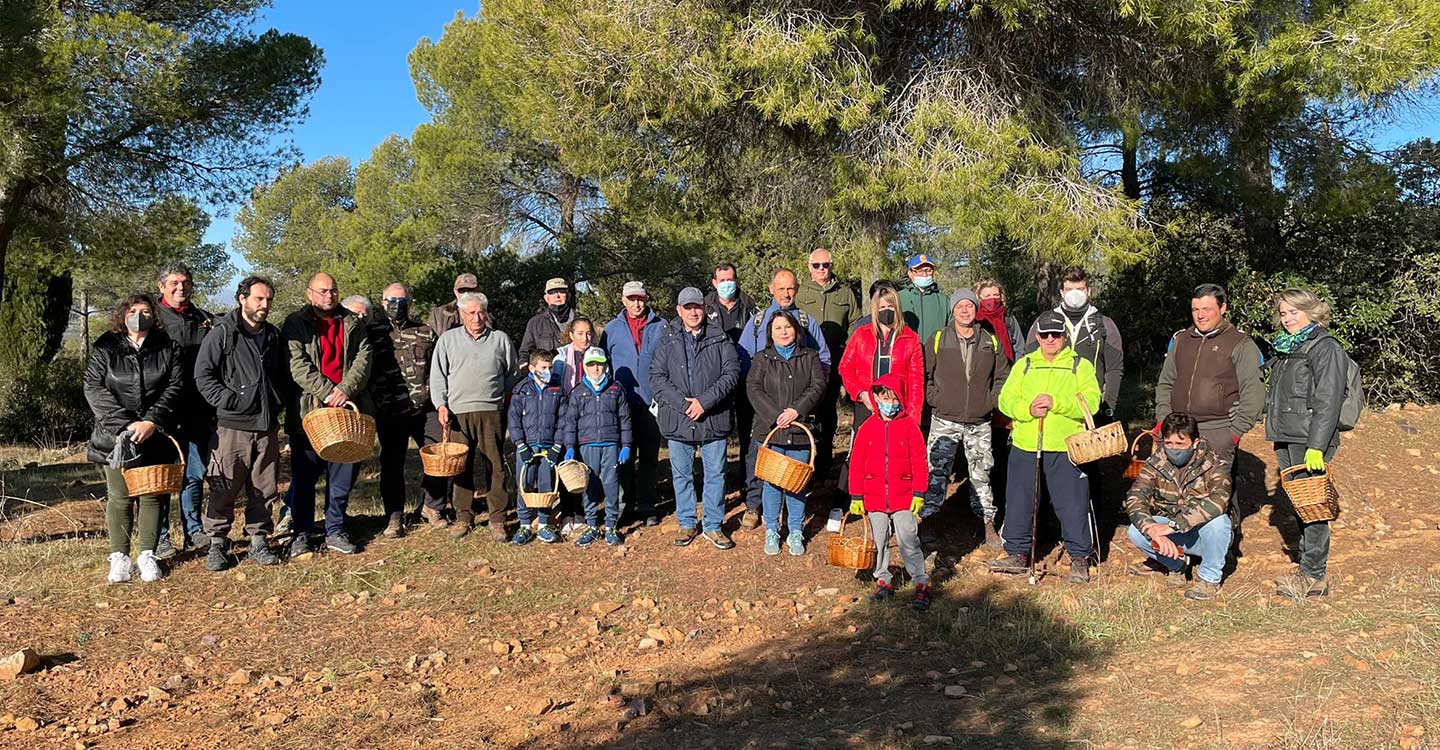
x,y
1235,439
916,503
569,454
525,451
553,453
1314,460
857,507
624,454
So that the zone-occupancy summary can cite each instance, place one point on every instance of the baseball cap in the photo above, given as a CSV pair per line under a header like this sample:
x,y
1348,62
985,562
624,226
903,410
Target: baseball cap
x,y
964,294
556,284
920,260
690,296
634,289
466,281
595,354
1050,322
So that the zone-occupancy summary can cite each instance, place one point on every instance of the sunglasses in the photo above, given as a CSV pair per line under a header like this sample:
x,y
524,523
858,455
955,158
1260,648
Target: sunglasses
x,y
1049,335
822,265
466,290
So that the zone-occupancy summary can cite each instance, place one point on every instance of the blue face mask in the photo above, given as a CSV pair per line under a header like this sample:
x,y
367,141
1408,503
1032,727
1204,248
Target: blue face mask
x,y
1180,456
924,282
889,409
541,376
786,351
727,289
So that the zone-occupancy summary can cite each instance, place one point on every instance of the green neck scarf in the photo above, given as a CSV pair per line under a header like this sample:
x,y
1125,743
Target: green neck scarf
x,y
1287,343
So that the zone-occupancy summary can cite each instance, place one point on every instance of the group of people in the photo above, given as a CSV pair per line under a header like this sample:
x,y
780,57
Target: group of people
x,y
932,378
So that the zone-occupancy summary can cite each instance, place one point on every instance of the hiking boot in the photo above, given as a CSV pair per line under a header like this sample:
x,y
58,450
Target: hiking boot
x,y
685,537
652,520
796,543
497,531
149,566
1011,564
548,535
463,523
587,537
720,539
260,552
341,543
218,558
197,541
396,527
882,592
120,566
992,537
1300,587
164,549
1079,571
523,536
299,546
921,602
435,518
612,537
772,542
750,520
1202,591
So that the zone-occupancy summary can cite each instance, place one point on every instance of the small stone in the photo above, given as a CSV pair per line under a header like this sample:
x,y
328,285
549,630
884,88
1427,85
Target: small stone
x,y
399,588
26,724
643,603
649,643
209,640
1004,681
555,657
157,694
24,661
954,691
158,646
938,739
541,707
1192,722
499,647
827,592
274,718
240,677
602,609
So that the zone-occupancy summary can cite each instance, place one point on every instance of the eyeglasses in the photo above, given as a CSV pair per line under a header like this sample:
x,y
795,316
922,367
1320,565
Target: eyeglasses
x,y
818,266
325,292
1049,335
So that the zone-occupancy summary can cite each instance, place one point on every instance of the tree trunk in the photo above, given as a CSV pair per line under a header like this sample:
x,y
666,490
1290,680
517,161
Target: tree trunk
x,y
1130,161
12,202
569,193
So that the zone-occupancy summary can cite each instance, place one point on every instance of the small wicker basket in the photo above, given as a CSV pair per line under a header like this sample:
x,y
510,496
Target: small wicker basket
x,y
444,459
574,475
539,500
853,552
789,474
1133,469
1094,443
159,479
1315,498
340,435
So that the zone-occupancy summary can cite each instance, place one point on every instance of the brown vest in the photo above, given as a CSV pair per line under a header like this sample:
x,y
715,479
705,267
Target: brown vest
x,y
1206,386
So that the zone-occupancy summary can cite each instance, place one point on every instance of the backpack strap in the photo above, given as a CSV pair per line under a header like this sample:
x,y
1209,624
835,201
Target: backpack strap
x,y
938,334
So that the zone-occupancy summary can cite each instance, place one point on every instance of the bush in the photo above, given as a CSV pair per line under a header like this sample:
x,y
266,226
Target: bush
x,y
45,404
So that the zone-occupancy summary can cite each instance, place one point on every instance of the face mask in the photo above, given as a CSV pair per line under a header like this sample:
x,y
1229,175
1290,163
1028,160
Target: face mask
x,y
138,322
727,289
889,409
541,376
1076,298
924,282
1180,456
594,380
991,306
886,318
560,309
397,309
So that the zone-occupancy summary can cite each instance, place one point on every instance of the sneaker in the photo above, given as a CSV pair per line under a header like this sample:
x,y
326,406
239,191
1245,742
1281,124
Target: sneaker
x,y
587,537
570,527
164,549
497,531
463,522
341,543
299,546
882,592
772,542
612,537
396,527
523,536
837,516
197,541
119,568
149,566
260,552
435,518
652,520
1011,564
685,537
921,602
1079,571
548,535
1300,587
285,525
720,539
751,520
796,543
1202,591
218,558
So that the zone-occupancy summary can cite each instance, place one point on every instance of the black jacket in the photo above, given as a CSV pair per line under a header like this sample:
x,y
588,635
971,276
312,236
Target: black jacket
x,y
124,384
745,309
242,376
187,329
543,331
776,384
706,368
1306,391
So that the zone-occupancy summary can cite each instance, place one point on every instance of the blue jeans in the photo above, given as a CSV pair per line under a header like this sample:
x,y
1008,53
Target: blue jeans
x,y
197,456
682,473
537,474
306,466
604,484
1210,542
771,496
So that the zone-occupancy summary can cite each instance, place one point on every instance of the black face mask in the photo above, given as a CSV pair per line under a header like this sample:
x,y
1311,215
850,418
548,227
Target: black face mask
x,y
560,309
397,309
886,318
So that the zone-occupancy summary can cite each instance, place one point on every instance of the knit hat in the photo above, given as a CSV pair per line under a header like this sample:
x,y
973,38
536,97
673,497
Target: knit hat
x,y
964,294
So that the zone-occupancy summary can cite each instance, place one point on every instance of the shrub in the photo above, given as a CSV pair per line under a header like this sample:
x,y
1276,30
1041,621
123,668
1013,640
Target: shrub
x,y
45,404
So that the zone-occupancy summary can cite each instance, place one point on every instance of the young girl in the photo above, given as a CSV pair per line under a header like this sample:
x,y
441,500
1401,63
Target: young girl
x,y
888,478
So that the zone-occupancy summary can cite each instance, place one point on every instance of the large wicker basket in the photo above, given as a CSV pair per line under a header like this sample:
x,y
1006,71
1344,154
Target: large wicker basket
x,y
444,459
789,474
539,500
1094,443
340,435
853,552
160,479
1315,498
574,475
1133,469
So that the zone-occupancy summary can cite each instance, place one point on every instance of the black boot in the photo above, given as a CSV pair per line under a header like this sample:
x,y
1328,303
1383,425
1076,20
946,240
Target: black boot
x,y
219,557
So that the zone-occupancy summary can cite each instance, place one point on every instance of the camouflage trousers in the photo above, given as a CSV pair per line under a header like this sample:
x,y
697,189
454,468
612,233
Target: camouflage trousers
x,y
946,440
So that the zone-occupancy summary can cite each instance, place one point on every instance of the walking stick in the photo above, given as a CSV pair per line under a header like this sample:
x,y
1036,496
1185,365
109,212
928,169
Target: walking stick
x,y
1035,507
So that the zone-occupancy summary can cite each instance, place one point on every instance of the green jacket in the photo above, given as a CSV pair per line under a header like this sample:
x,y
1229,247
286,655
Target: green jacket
x,y
302,348
926,310
835,307
1188,495
1062,380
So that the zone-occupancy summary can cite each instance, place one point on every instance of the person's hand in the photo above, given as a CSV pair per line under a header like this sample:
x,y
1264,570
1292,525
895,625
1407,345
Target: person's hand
x,y
1314,460
786,418
1235,439
570,454
336,398
916,503
624,454
1156,430
693,409
525,451
868,400
1041,406
443,415
141,431
857,507
1165,547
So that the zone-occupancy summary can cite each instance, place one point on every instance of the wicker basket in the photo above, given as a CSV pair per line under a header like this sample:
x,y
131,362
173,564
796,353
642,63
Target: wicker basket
x,y
444,459
1094,443
853,552
539,500
1133,469
340,435
574,475
1315,498
160,479
789,474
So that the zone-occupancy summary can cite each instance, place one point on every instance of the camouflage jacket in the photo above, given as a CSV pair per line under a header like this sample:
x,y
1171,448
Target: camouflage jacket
x,y
400,383
1189,495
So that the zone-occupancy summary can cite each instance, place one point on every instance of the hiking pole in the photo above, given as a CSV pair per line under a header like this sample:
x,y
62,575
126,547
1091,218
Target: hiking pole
x,y
1035,508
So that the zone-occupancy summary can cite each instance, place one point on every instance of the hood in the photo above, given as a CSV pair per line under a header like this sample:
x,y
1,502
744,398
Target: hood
x,y
894,382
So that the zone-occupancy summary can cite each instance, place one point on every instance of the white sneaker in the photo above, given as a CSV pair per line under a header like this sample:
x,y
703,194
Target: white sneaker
x,y
833,525
149,566
119,568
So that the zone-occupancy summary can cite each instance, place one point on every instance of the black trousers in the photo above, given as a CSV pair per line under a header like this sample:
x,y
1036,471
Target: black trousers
x,y
395,434
1069,494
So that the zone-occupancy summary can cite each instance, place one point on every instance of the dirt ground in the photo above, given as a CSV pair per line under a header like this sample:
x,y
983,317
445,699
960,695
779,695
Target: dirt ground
x,y
428,642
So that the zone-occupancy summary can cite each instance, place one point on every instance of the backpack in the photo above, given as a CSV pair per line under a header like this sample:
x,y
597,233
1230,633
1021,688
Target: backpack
x,y
1074,364
994,342
1354,401
758,322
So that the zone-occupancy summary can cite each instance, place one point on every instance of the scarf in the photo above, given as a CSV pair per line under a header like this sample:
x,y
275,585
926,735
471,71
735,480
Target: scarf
x,y
785,351
1287,343
994,316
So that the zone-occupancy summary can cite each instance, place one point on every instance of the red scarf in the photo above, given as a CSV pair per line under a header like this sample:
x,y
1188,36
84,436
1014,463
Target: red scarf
x,y
992,312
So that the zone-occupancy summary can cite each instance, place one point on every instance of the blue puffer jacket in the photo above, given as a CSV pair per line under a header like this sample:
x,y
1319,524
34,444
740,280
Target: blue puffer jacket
x,y
536,414
629,368
597,415
705,368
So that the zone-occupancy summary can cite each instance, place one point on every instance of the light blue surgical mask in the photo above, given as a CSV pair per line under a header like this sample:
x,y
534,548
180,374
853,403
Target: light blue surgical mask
x,y
889,409
727,289
924,282
541,376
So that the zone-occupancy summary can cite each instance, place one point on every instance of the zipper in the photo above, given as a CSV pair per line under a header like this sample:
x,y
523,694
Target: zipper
x,y
886,452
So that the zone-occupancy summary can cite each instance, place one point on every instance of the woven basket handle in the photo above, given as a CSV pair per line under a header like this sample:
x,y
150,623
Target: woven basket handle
x,y
178,450
1085,409
351,406
808,434
1297,468
445,433
1135,444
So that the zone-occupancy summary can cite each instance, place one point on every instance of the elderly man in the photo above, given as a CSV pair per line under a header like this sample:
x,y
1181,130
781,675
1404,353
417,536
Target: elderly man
x,y
360,306
330,360
694,373
446,316
630,342
921,299
474,367
832,303
546,328
753,339
187,325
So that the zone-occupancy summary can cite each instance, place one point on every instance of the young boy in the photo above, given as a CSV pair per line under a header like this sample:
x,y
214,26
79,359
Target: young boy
x,y
597,419
888,478
537,408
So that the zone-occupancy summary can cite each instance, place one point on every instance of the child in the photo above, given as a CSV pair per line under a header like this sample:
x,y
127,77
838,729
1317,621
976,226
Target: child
x,y
888,478
537,408
597,419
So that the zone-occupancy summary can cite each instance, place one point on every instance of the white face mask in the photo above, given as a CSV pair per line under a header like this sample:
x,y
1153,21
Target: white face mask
x,y
1076,298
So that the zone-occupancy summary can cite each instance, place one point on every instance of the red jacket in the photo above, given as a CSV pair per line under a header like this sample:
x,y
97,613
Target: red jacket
x,y
888,466
857,367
